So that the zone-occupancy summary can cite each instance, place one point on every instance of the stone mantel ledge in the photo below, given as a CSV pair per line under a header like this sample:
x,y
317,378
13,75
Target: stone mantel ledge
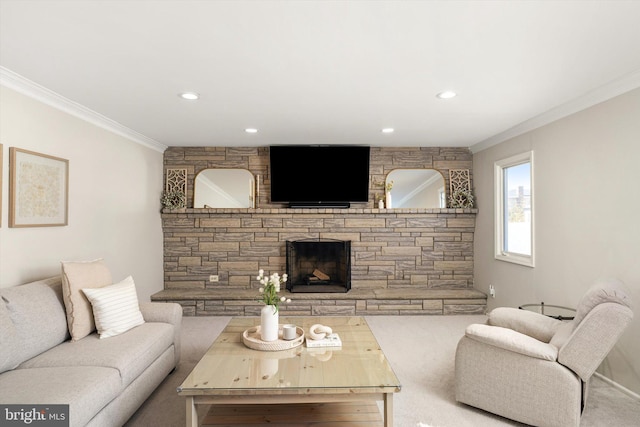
x,y
330,211
353,294
400,301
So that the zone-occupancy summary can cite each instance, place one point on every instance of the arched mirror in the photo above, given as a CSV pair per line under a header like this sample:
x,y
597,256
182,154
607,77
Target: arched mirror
x,y
416,188
224,188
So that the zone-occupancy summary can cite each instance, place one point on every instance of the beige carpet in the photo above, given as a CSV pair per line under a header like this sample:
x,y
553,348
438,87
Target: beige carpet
x,y
422,356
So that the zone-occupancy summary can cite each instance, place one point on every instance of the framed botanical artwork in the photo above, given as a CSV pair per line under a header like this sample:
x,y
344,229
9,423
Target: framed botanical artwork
x,y
38,189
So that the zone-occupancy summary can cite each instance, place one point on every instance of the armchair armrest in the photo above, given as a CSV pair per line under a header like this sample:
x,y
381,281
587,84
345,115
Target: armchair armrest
x,y
510,340
533,324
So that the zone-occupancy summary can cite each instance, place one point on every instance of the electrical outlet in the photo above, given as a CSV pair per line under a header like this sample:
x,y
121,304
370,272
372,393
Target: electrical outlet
x,y
214,278
492,291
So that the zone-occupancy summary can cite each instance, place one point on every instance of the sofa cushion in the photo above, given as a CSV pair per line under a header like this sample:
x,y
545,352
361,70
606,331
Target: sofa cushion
x,y
77,276
115,308
85,389
129,353
33,318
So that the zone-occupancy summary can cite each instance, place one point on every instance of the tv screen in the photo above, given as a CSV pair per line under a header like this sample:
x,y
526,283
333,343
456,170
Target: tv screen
x,y
319,175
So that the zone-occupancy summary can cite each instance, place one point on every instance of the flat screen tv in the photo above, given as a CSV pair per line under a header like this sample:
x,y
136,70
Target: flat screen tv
x,y
319,175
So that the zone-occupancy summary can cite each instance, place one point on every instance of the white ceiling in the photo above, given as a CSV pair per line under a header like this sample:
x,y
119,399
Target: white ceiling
x,y
324,72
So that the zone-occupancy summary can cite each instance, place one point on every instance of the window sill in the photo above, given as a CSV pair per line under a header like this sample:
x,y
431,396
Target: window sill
x,y
525,260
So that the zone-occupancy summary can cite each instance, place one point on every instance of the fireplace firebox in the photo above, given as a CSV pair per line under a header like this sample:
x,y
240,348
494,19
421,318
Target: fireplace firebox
x,y
319,265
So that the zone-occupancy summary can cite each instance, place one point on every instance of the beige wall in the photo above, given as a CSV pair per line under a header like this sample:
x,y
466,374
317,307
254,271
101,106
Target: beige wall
x,y
114,192
586,217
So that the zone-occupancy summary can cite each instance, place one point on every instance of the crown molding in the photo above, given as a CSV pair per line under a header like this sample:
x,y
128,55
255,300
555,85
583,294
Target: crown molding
x,y
603,93
33,90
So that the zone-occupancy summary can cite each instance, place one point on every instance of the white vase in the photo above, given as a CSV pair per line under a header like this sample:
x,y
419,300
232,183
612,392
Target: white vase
x,y
269,323
388,203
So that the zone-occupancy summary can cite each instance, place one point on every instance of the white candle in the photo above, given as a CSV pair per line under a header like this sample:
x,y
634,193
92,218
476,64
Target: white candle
x,y
289,332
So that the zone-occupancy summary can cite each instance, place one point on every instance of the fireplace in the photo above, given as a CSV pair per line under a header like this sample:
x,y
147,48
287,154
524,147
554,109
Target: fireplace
x,y
319,265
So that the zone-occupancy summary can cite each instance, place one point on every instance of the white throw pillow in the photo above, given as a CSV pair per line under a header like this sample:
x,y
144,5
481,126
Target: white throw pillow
x,y
115,307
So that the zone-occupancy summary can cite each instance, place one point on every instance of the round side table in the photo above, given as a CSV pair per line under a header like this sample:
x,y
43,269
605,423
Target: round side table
x,y
556,311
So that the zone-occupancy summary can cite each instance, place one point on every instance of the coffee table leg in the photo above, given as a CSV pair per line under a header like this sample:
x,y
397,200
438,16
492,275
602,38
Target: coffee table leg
x,y
388,410
192,414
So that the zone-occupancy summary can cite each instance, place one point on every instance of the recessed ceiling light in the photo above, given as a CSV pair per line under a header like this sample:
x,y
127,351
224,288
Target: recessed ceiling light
x,y
387,130
447,94
251,130
191,96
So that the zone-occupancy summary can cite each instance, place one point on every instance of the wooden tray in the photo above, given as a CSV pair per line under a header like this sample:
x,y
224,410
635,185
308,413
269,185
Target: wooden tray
x,y
251,338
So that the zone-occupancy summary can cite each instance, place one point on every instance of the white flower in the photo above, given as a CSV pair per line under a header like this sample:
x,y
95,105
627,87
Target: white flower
x,y
270,286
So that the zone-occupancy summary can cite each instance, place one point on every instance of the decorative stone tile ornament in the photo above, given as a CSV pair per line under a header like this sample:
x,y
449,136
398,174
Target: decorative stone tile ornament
x,y
460,189
459,180
176,183
176,180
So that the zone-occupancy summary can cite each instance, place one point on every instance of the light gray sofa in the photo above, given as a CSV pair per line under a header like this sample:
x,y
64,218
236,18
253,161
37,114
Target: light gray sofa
x,y
534,369
104,381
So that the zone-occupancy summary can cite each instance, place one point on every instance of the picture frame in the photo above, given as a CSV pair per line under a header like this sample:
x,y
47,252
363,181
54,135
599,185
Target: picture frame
x,y
38,189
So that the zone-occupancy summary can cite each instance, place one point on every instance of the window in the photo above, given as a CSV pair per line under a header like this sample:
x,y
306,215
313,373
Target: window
x,y
514,209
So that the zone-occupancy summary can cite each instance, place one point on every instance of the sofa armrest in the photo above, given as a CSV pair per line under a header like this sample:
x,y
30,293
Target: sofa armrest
x,y
165,312
526,322
508,339
161,312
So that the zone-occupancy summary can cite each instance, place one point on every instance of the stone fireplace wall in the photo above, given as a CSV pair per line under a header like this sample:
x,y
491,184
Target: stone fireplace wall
x,y
398,254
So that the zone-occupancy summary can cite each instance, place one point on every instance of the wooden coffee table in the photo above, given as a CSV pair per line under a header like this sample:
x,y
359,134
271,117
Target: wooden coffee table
x,y
232,374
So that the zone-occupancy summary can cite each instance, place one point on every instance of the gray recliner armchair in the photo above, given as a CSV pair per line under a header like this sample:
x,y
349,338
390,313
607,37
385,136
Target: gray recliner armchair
x,y
535,369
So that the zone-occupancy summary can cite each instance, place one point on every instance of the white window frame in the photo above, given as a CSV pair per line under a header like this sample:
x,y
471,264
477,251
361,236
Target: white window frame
x,y
500,253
